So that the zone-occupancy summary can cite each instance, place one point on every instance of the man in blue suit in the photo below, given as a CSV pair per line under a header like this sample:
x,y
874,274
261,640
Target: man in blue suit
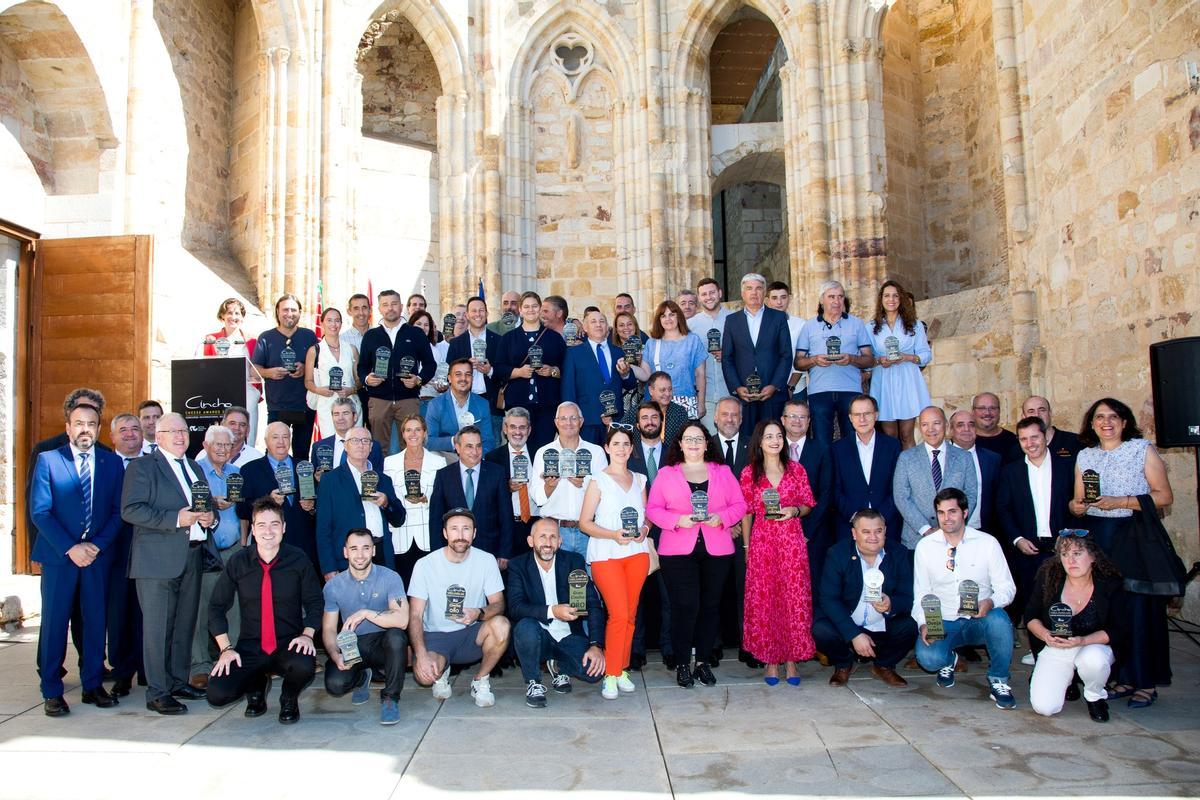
x,y
802,447
260,480
590,370
847,623
863,467
924,470
757,341
983,516
344,413
485,381
455,409
75,501
480,486
341,506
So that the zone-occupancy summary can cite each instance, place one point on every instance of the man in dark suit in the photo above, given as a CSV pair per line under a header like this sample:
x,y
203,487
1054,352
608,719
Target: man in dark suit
x,y
344,414
485,381
646,458
593,369
124,613
924,470
517,428
848,623
1059,443
987,471
75,502
392,397
545,627
341,506
863,467
172,546
802,447
757,341
734,443
479,486
261,480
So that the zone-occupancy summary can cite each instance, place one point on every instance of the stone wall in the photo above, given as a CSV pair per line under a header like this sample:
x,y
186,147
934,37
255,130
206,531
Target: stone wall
x,y
245,142
754,219
903,109
400,87
19,113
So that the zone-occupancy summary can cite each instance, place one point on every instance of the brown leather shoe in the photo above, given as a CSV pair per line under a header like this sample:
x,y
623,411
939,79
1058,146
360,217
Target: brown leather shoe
x,y
888,676
824,659
199,681
840,676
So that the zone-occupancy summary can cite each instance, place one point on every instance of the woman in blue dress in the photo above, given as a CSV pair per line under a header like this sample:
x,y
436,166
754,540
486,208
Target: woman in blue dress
x,y
674,350
901,349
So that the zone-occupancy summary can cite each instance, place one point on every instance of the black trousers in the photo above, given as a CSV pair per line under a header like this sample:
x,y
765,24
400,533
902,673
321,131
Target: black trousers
x,y
385,650
1147,655
406,561
891,645
695,583
254,675
654,597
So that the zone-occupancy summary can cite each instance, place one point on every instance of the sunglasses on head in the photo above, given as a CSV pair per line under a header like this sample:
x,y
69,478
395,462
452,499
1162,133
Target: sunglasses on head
x,y
622,426
1080,532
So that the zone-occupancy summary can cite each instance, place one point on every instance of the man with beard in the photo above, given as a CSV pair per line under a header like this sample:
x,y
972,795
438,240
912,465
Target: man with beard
x,y
279,357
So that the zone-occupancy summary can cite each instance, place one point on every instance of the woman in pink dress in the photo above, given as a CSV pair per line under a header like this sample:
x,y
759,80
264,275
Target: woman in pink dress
x,y
778,594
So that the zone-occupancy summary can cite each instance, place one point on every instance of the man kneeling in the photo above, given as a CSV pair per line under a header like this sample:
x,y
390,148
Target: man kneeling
x,y
544,627
370,600
279,597
456,613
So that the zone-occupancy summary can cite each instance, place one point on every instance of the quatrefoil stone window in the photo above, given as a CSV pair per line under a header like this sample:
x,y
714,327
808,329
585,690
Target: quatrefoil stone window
x,y
572,54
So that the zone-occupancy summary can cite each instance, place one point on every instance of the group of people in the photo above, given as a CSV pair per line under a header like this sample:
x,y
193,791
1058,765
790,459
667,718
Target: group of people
x,y
543,489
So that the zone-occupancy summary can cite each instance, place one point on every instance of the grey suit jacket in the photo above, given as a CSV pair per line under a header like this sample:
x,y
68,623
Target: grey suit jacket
x,y
150,502
913,490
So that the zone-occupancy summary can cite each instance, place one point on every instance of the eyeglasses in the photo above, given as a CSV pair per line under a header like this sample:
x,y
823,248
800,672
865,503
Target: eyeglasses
x,y
692,440
221,445
359,440
173,431
622,426
1080,532
794,416
569,419
951,552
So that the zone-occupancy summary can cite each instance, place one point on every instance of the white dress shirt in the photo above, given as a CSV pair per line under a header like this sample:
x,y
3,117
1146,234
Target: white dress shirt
x,y
565,501
195,533
477,383
795,449
659,450
371,512
722,441
865,613
866,454
1039,488
351,336
391,332
754,323
462,474
557,629
978,557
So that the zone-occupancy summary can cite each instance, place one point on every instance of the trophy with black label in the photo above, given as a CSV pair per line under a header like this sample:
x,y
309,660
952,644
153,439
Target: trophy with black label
x,y
934,627
873,585
370,484
570,331
508,319
566,462
1060,620
754,383
629,522
833,347
771,509
201,497
1091,486
336,375
456,597
412,484
577,582
304,476
222,346
608,403
583,463
449,323
287,357
968,598
892,346
699,505
407,365
383,360
324,458
347,645
283,477
520,468
441,377
632,348
234,484
550,464
714,340
479,349
535,356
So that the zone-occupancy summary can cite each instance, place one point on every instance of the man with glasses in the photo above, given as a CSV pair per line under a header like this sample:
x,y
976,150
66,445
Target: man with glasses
x,y
989,435
561,496
524,511
863,467
478,486
957,564
660,390
172,544
802,448
237,420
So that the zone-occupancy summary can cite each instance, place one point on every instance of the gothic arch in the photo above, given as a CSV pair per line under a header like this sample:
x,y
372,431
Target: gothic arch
x,y
430,20
705,19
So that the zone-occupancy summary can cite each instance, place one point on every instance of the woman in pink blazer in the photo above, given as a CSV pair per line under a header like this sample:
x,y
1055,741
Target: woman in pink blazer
x,y
696,555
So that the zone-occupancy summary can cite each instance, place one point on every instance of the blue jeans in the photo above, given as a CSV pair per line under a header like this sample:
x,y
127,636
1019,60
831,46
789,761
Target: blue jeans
x,y
534,644
994,630
824,406
574,540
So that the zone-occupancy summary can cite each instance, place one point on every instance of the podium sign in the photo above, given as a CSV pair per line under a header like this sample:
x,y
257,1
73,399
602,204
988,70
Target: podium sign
x,y
202,389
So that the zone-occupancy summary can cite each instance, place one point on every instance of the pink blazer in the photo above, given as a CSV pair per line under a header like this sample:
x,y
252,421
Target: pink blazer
x,y
671,497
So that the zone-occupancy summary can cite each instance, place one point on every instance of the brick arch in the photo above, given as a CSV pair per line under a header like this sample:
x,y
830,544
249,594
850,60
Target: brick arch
x,y
434,26
754,166
707,18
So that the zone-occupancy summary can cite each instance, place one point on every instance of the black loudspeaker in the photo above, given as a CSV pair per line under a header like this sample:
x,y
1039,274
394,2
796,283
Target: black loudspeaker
x,y
1175,378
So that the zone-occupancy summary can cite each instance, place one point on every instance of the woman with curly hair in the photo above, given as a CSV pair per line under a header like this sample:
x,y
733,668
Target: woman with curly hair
x,y
900,349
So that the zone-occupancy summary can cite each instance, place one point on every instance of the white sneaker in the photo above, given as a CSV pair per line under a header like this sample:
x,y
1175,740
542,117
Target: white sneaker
x,y
608,690
481,690
1028,660
441,687
624,683
561,681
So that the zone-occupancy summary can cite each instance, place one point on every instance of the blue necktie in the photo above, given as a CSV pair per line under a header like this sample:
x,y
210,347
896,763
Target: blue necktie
x,y
85,482
600,357
937,471
470,488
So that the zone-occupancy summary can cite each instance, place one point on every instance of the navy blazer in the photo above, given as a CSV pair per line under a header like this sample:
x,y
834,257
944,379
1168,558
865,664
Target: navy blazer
x,y
514,347
1014,503
300,525
340,508
492,509
56,503
772,357
819,466
842,586
582,382
376,457
460,347
853,493
410,341
990,465
526,599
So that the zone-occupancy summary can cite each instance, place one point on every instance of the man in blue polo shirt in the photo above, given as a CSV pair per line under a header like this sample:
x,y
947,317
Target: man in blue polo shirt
x,y
279,357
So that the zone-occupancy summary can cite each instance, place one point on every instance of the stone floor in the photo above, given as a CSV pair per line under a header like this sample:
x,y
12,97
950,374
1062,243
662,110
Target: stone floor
x,y
739,738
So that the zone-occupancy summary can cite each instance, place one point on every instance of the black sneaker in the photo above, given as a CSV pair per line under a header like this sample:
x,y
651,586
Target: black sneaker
x,y
683,676
561,681
703,673
535,695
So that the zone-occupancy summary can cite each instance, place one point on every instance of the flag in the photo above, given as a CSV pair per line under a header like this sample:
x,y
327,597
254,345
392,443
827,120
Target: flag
x,y
481,296
319,311
370,301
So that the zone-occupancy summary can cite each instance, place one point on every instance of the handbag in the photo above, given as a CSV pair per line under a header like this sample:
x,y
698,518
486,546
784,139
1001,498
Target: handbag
x,y
312,399
500,394
1146,557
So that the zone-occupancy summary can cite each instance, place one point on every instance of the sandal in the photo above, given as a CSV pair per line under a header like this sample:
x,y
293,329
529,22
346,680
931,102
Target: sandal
x,y
1143,698
1120,690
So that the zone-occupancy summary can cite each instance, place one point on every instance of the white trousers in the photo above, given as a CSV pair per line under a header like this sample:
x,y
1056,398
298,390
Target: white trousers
x,y
1054,669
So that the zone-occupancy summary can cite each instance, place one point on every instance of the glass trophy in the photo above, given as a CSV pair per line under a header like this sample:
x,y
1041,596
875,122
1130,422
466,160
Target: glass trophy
x,y
324,458
412,484
234,486
873,585
383,360
771,509
754,383
968,598
535,356
508,319
456,597
441,377
407,365
566,462
520,468
934,627
1091,486
479,349
201,497
449,323
577,582
629,522
583,463
304,477
891,346
833,347
336,377
608,403
632,348
550,464
287,357
222,346
370,484
1060,620
699,505
570,331
283,477
714,340
347,644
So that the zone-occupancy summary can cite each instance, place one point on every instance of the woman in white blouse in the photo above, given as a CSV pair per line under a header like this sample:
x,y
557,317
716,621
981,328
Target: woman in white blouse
x,y
410,541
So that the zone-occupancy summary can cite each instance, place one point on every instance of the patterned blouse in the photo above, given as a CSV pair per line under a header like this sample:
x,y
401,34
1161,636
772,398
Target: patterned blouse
x,y
1122,472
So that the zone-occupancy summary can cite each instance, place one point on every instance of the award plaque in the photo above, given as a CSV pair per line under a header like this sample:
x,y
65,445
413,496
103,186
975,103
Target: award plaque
x,y
383,359
304,477
583,463
932,606
608,403
714,340
234,483
566,462
479,349
892,346
753,383
412,483
287,357
550,464
833,347
873,585
456,596
520,468
632,348
283,477
441,377
370,484
629,522
324,458
1091,486
570,331
201,497
508,319
449,323
968,598
699,505
222,346
407,365
535,356
347,645
1060,620
577,582
771,509
336,375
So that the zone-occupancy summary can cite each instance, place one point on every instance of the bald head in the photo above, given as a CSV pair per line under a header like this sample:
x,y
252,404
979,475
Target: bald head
x,y
279,440
933,426
962,429
1039,407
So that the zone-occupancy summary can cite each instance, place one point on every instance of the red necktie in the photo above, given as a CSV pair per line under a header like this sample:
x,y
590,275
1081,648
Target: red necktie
x,y
267,611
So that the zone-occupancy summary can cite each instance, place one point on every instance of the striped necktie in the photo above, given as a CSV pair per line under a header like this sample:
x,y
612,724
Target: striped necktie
x,y
85,483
